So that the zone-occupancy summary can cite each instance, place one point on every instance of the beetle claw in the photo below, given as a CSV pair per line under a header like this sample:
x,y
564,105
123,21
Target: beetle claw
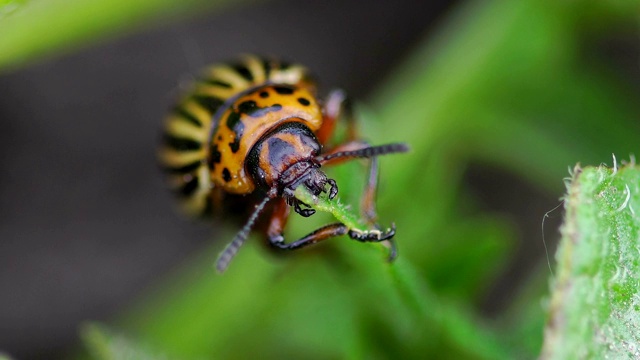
x,y
373,235
298,208
333,191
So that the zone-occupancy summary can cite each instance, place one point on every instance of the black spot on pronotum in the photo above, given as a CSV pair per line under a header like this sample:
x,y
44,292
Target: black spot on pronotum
x,y
259,112
264,94
234,124
248,106
243,71
232,120
226,175
252,109
235,145
283,90
215,156
181,144
304,101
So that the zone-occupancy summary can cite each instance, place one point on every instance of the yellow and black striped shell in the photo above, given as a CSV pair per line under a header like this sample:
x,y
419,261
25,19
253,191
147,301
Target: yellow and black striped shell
x,y
212,129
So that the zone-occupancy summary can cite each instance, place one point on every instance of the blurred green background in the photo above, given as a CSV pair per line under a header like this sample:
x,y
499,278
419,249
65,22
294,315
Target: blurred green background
x,y
496,98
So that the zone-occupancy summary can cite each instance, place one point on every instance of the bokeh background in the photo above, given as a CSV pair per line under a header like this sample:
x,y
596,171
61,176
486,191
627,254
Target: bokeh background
x,y
497,99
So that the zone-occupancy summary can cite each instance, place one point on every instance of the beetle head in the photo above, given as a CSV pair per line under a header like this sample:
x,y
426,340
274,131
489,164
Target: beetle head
x,y
285,158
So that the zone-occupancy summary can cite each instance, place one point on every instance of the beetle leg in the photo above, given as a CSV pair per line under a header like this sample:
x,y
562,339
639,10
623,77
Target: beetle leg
x,y
333,230
373,235
320,234
368,209
369,196
279,217
368,202
336,106
278,222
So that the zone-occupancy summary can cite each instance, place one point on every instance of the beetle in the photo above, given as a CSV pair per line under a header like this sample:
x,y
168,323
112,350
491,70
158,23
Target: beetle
x,y
247,134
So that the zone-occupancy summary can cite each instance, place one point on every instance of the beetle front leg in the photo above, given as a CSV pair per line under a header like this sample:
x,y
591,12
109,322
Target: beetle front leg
x,y
278,222
368,202
378,236
280,215
318,235
333,230
368,209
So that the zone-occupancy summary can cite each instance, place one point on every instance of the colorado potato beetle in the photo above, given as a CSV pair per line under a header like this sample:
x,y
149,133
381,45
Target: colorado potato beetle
x,y
248,134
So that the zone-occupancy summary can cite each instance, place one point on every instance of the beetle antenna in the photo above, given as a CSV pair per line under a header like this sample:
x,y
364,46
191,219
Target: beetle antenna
x,y
366,152
232,248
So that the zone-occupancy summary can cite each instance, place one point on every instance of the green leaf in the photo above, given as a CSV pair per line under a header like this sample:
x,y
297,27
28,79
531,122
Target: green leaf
x,y
595,308
507,83
9,6
523,321
33,28
346,302
104,344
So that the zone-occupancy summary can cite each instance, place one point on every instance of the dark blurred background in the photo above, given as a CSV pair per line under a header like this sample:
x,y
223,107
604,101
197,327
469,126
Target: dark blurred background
x,y
85,222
